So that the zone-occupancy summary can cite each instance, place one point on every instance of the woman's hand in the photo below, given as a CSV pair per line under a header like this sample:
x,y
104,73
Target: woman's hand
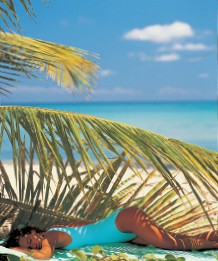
x,y
45,252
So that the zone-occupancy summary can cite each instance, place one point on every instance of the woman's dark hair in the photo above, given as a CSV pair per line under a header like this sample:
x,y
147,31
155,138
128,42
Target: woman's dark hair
x,y
3,257
13,238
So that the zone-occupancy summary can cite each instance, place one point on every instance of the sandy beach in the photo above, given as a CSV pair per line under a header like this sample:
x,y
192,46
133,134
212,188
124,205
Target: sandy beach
x,y
150,178
155,177
149,184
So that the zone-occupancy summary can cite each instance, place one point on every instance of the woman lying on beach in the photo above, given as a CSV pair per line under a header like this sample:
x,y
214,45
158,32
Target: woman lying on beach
x,y
124,225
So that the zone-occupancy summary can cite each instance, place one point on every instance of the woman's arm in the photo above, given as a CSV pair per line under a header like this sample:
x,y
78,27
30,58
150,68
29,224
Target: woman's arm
x,y
45,252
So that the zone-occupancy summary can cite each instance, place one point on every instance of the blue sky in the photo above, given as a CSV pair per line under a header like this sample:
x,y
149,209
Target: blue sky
x,y
149,49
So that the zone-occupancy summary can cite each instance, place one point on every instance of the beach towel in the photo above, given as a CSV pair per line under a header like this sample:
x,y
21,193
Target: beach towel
x,y
133,251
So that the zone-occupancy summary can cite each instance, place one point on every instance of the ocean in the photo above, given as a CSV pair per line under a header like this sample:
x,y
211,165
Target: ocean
x,y
193,122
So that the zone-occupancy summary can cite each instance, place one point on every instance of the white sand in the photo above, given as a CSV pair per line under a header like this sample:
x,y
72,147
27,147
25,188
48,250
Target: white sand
x,y
137,180
150,183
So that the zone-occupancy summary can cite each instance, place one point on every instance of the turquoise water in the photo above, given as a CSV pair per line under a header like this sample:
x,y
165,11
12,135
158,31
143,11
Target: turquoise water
x,y
193,122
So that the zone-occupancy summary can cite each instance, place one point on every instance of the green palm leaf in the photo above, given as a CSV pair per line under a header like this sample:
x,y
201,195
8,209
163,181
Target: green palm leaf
x,y
22,56
84,167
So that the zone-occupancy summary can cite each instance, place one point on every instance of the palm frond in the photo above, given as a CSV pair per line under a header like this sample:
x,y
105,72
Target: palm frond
x,y
22,56
85,167
8,12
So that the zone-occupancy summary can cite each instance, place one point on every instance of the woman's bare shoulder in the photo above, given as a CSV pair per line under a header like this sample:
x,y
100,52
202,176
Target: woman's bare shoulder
x,y
51,237
58,239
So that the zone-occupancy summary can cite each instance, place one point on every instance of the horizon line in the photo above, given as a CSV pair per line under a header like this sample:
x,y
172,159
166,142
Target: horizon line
x,y
89,102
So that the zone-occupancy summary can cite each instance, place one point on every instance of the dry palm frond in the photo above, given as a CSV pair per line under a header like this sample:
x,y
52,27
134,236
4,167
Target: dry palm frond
x,y
23,56
85,167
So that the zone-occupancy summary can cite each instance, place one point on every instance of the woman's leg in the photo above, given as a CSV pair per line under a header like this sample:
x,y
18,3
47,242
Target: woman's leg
x,y
136,221
209,235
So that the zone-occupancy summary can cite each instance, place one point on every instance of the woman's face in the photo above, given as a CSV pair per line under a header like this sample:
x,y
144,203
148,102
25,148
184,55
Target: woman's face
x,y
33,240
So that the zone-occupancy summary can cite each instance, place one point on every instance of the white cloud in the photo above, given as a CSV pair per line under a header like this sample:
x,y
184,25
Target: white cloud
x,y
203,75
161,33
167,58
208,33
169,90
190,47
172,92
179,93
185,47
141,55
38,90
117,90
160,58
42,94
105,73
